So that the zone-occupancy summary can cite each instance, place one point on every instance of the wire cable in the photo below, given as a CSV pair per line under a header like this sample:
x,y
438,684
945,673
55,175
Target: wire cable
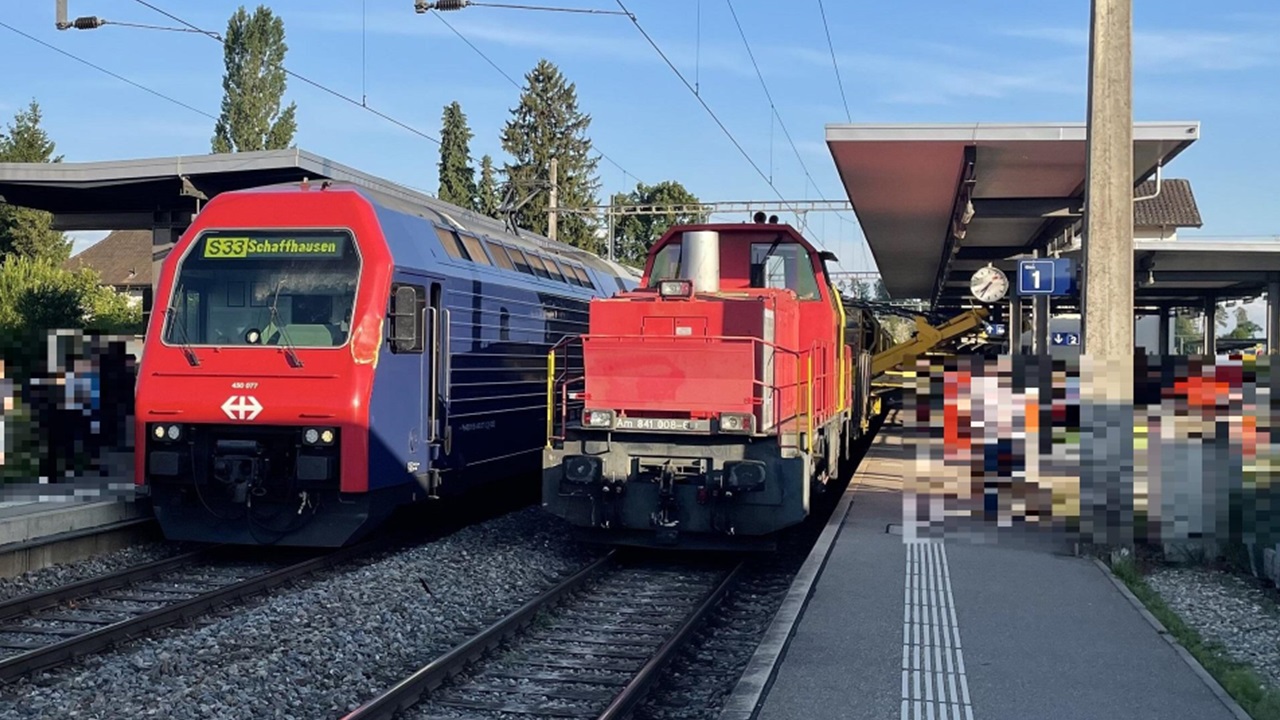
x,y
518,86
101,69
313,83
710,112
834,64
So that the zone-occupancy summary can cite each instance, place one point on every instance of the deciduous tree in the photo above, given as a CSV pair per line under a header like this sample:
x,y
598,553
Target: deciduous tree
x,y
254,85
635,234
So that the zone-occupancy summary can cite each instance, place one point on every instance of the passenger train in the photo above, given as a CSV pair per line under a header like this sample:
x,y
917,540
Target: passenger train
x,y
706,408
321,354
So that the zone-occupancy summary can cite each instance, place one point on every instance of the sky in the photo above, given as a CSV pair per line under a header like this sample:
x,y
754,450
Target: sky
x,y
899,62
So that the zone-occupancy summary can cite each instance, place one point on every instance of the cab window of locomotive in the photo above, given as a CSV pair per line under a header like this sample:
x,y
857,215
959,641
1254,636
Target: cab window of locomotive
x,y
784,265
666,265
294,289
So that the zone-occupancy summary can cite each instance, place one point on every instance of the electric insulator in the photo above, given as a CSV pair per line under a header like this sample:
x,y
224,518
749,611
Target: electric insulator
x,y
444,5
88,23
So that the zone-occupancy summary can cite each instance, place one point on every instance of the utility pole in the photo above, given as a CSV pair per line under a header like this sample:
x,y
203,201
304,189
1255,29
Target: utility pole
x,y
1107,345
551,203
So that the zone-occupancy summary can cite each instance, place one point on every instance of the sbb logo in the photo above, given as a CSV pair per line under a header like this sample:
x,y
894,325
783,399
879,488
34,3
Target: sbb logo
x,y
226,248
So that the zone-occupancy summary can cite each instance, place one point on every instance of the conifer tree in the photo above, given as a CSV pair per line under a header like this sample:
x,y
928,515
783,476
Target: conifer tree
x,y
254,85
487,197
457,177
547,124
25,232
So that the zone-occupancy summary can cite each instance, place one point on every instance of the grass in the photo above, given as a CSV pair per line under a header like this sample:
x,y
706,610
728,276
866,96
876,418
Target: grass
x,y
1241,682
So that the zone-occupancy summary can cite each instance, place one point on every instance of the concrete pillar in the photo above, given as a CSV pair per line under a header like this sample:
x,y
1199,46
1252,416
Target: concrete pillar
x,y
1273,317
1040,334
1163,344
1106,387
1210,325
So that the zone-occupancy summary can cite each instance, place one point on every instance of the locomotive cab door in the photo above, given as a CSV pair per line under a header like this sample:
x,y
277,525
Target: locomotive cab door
x,y
418,336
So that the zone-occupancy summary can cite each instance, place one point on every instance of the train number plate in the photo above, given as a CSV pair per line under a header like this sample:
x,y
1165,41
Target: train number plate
x,y
663,424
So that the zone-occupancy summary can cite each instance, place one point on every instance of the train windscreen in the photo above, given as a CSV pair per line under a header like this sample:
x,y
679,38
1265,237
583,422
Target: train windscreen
x,y
265,288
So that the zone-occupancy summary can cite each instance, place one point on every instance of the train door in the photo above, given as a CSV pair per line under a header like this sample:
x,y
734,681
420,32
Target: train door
x,y
417,342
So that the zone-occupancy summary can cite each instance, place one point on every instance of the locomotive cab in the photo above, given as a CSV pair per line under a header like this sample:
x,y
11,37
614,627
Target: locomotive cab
x,y
704,408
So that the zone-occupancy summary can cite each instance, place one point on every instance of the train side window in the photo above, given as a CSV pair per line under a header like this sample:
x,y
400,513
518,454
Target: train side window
x,y
474,249
574,274
451,244
554,270
522,263
583,278
500,256
539,269
408,306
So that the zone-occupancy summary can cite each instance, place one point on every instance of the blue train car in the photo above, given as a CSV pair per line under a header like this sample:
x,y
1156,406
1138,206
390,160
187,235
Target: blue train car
x,y
323,355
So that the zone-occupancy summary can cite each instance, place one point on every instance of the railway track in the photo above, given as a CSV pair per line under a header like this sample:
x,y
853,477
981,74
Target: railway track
x,y
45,629
590,647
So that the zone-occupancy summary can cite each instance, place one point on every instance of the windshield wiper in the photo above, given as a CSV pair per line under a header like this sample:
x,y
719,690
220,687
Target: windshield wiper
x,y
294,360
185,342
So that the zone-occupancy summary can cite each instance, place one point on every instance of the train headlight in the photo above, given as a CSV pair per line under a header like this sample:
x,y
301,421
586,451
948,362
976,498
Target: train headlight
x,y
736,423
597,418
175,432
311,436
326,437
318,436
675,288
158,431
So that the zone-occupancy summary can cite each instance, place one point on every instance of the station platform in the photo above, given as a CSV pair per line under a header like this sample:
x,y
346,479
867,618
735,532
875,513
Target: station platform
x,y
882,624
46,524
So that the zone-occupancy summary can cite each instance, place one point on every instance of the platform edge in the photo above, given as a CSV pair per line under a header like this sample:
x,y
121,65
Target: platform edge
x,y
1223,696
757,678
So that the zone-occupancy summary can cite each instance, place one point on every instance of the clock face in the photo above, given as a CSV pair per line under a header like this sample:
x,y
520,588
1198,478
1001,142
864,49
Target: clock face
x,y
989,284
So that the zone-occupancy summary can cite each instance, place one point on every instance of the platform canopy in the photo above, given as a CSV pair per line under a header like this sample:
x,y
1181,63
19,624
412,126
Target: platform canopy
x,y
936,202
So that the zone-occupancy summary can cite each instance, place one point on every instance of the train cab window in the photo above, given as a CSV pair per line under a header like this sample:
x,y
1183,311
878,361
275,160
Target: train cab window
x,y
474,249
783,265
666,266
521,262
500,257
265,288
452,245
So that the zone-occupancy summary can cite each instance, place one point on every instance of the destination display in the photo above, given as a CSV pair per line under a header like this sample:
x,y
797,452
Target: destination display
x,y
229,248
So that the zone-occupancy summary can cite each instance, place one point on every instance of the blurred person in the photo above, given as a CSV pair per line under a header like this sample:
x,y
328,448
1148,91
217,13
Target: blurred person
x,y
6,408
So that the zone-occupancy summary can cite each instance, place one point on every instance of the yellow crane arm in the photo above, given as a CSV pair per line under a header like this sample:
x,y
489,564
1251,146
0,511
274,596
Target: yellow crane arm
x,y
927,337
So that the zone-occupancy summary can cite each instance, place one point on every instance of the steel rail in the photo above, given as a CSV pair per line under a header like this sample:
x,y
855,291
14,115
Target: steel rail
x,y
639,685
95,640
102,583
408,692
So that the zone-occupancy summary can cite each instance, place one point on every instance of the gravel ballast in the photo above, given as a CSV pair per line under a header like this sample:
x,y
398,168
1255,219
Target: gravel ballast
x,y
321,648
48,578
1228,610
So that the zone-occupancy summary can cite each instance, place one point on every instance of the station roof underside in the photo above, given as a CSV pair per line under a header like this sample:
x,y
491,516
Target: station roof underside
x,y
936,202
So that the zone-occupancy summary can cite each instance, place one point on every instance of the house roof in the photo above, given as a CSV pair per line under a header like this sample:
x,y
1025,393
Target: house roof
x,y
1175,205
122,258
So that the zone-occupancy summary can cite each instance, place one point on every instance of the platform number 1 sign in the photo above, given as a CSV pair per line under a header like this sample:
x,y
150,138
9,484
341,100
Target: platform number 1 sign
x,y
1045,277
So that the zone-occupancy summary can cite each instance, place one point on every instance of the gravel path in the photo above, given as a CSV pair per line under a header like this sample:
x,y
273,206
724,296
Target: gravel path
x,y
321,648
57,575
1223,608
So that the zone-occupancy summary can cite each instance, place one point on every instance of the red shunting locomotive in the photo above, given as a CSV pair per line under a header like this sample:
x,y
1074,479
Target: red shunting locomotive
x,y
706,408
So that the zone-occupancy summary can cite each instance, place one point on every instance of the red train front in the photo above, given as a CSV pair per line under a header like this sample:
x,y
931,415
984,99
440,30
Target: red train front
x,y
705,407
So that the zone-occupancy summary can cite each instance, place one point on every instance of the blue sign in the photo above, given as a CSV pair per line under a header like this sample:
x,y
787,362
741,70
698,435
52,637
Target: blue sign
x,y
996,329
1046,277
1066,338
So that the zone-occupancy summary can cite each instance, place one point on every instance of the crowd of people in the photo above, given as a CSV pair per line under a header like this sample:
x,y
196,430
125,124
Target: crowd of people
x,y
75,407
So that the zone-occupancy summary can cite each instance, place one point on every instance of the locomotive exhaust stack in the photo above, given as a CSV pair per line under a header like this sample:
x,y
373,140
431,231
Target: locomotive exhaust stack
x,y
700,262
